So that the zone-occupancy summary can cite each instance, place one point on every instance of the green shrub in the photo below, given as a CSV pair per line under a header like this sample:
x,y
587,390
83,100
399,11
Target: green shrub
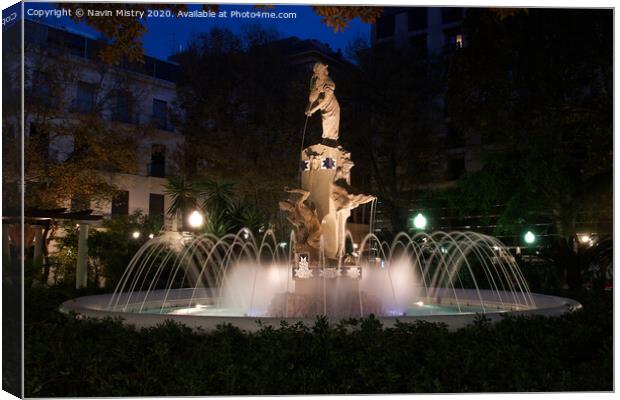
x,y
69,356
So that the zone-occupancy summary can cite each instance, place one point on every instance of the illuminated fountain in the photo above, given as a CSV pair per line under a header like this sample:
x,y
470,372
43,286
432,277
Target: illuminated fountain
x,y
203,281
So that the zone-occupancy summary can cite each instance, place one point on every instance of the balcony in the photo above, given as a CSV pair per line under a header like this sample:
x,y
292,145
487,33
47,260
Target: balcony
x,y
126,117
157,170
161,122
82,107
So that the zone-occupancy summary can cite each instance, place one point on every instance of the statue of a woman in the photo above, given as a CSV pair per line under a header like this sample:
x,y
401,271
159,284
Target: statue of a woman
x,y
322,98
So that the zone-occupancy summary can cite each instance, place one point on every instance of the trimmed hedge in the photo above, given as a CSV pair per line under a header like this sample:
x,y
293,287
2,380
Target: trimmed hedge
x,y
69,356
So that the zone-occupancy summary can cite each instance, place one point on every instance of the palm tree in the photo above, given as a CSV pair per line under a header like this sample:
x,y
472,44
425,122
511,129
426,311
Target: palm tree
x,y
248,216
184,196
217,196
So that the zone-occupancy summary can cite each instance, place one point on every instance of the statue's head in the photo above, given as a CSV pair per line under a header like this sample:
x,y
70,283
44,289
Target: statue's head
x,y
320,68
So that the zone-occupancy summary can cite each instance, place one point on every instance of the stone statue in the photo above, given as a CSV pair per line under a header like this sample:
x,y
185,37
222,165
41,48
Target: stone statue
x,y
303,218
345,199
322,98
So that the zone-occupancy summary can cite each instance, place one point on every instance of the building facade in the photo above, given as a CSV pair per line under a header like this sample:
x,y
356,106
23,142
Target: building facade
x,y
136,98
429,31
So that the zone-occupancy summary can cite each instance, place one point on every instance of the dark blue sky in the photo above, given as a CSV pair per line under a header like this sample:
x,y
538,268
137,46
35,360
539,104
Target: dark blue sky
x,y
165,34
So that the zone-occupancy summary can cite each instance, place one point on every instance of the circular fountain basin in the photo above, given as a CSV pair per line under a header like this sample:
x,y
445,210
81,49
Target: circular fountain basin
x,y
455,308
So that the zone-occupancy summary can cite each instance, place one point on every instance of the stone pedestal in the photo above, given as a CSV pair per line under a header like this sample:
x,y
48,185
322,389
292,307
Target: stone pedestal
x,y
6,249
38,246
81,272
321,166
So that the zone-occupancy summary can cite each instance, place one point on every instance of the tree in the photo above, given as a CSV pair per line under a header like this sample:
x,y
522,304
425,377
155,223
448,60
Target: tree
x,y
538,86
71,146
396,133
234,132
224,211
183,197
110,249
125,32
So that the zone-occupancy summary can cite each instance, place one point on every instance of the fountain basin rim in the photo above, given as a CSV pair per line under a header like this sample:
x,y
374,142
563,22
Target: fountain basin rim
x,y
95,306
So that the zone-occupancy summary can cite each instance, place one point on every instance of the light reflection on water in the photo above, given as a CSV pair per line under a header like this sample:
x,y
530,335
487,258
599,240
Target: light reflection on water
x,y
214,311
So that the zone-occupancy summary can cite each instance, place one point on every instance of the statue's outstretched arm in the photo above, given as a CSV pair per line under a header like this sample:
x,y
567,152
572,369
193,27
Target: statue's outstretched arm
x,y
328,94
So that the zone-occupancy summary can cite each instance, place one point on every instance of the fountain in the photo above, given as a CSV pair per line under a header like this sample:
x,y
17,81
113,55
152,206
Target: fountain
x,y
203,280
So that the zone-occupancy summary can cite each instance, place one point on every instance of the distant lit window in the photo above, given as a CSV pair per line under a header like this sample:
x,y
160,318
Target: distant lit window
x,y
453,39
459,41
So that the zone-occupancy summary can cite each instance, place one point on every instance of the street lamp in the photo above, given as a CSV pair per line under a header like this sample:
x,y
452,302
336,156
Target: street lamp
x,y
529,237
135,234
195,219
419,222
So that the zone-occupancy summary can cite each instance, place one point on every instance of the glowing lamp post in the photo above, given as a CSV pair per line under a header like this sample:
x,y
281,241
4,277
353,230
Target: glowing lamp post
x,y
529,237
419,222
135,234
195,220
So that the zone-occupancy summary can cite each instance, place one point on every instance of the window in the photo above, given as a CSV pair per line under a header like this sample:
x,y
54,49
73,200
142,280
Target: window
x,y
418,45
157,167
120,203
456,167
385,26
160,114
459,41
66,42
123,111
44,90
453,39
85,100
451,14
156,205
417,19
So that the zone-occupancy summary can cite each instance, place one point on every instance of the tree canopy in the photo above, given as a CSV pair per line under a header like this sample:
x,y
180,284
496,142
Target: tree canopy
x,y
537,88
125,33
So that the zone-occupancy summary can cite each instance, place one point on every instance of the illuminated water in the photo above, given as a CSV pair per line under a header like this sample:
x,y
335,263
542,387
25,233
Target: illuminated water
x,y
214,311
237,275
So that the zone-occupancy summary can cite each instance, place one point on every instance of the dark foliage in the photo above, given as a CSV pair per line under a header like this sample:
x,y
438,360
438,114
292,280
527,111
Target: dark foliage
x,y
69,356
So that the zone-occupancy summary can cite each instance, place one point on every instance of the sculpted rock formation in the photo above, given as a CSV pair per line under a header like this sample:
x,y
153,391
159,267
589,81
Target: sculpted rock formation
x,y
304,219
343,200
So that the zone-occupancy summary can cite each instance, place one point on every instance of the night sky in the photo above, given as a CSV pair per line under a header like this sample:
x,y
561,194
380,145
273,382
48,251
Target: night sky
x,y
166,35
